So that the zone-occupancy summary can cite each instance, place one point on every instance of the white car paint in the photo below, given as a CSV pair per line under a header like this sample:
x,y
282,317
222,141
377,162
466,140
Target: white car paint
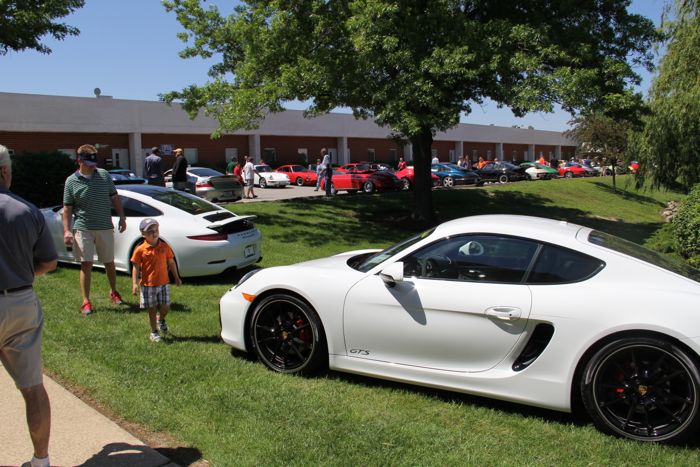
x,y
270,178
466,335
194,257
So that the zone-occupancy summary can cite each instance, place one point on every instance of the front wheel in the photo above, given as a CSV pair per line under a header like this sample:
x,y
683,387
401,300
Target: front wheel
x,y
643,388
503,178
300,181
368,187
263,183
448,182
569,174
405,184
286,335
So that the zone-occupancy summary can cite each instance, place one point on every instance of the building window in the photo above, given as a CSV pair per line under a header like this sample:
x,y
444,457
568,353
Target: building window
x,y
72,153
525,153
303,154
451,155
191,155
392,154
231,154
371,157
488,154
515,154
475,154
269,155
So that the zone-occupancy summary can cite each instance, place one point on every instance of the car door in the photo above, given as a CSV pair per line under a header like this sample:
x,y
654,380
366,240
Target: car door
x,y
461,306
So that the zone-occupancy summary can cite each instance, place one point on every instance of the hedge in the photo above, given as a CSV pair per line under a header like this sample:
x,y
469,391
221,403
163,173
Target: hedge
x,y
686,226
39,177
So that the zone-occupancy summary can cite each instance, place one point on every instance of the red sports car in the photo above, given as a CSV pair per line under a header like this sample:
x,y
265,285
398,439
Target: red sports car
x,y
406,177
571,170
298,174
368,181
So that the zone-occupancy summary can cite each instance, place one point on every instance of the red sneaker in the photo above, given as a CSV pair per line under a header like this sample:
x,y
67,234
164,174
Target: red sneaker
x,y
86,308
115,298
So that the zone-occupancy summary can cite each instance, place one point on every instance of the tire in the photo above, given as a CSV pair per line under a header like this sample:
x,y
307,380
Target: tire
x,y
405,184
448,182
263,183
300,181
503,178
286,335
569,174
643,388
368,187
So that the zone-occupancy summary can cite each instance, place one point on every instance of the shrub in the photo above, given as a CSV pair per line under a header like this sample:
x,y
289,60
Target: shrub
x,y
686,226
39,177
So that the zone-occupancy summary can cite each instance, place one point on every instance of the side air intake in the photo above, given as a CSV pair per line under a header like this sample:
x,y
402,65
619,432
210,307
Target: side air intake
x,y
535,346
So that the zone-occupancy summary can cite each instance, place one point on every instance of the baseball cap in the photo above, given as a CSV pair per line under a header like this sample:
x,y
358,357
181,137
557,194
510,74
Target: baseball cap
x,y
146,223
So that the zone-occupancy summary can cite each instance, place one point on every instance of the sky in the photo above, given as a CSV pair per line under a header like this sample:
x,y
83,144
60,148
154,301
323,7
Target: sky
x,y
129,50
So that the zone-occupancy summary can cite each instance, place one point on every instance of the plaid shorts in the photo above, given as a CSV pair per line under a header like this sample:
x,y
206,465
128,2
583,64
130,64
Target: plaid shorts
x,y
155,295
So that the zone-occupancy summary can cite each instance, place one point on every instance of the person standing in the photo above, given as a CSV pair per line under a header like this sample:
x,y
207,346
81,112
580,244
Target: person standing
x,y
435,160
319,174
26,251
180,170
152,168
152,260
402,164
87,195
231,166
249,178
327,171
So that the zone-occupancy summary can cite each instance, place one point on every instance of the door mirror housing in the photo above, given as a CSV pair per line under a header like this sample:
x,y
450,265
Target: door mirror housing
x,y
392,274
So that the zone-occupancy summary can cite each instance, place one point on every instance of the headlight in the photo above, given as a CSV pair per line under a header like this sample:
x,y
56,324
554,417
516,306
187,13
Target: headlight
x,y
247,276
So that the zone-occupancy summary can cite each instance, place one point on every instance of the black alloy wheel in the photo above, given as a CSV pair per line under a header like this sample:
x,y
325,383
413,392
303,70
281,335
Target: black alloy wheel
x,y
286,335
643,388
300,181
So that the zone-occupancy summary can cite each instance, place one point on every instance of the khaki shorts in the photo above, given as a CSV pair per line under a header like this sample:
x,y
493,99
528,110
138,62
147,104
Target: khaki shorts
x,y
88,241
21,320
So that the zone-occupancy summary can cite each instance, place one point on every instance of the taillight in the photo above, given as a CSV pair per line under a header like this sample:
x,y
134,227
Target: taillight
x,y
210,237
204,185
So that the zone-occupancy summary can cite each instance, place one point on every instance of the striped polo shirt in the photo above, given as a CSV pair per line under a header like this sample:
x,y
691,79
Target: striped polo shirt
x,y
90,199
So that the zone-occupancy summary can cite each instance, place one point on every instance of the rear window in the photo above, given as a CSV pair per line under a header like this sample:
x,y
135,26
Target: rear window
x,y
557,265
185,202
639,252
205,172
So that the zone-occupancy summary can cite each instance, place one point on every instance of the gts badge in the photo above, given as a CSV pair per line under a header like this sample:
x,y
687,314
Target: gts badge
x,y
359,352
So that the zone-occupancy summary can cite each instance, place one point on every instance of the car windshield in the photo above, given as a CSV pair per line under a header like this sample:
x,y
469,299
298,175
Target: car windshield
x,y
506,165
359,167
637,251
263,168
184,201
383,255
205,172
297,168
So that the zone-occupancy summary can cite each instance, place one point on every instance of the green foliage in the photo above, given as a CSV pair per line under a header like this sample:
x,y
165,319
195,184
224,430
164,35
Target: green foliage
x,y
39,177
686,226
24,22
668,145
414,66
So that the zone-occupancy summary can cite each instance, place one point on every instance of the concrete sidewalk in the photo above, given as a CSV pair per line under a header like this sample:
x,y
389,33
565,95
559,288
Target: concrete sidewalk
x,y
79,434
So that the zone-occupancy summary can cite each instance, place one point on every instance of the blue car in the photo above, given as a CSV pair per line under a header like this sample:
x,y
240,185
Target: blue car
x,y
452,174
125,176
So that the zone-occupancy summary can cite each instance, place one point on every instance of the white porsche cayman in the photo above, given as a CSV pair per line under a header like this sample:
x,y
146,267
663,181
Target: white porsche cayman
x,y
524,309
206,238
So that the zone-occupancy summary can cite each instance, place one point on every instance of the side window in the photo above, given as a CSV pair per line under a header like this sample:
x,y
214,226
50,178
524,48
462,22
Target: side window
x,y
473,258
557,265
134,208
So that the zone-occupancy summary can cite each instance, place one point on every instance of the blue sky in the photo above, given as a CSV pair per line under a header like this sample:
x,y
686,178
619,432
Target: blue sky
x,y
129,49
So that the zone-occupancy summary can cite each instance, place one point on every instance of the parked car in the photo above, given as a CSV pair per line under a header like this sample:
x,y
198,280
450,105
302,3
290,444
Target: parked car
x,y
406,176
122,179
356,179
574,169
126,173
452,174
209,184
266,177
483,305
206,239
502,172
537,171
298,174
633,167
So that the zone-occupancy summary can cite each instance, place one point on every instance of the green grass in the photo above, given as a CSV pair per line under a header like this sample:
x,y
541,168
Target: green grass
x,y
235,412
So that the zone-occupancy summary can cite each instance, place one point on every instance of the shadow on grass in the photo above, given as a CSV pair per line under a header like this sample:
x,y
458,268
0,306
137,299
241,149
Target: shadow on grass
x,y
627,195
174,339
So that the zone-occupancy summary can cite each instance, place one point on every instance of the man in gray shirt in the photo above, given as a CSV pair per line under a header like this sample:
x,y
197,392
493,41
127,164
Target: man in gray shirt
x,y
152,168
26,251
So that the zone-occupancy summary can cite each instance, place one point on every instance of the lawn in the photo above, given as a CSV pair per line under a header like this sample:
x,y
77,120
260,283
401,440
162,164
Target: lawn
x,y
232,411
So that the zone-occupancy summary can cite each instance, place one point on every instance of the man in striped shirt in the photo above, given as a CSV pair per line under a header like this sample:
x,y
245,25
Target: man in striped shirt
x,y
88,195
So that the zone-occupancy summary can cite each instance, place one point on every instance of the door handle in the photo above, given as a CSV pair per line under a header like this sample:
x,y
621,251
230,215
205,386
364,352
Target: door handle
x,y
504,313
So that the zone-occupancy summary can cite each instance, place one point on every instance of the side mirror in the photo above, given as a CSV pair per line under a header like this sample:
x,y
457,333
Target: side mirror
x,y
392,274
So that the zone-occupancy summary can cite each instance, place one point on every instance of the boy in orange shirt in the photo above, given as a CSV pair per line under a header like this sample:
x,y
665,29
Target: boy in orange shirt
x,y
152,259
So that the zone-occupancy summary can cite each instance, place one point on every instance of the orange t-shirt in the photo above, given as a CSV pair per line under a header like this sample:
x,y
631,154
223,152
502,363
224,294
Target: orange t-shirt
x,y
153,261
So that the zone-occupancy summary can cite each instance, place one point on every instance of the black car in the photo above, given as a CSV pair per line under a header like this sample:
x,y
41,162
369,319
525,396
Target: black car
x,y
502,172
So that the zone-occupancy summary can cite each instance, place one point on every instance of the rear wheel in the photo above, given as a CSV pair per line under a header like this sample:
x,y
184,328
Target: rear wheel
x,y
405,184
503,178
368,187
448,182
263,183
286,335
643,388
569,174
300,181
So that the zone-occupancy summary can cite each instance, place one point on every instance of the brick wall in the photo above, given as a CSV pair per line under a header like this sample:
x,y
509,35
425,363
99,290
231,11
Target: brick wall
x,y
359,149
286,147
210,152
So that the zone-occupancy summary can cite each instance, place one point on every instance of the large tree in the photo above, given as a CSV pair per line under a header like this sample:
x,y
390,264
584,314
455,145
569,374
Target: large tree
x,y
24,22
669,145
414,65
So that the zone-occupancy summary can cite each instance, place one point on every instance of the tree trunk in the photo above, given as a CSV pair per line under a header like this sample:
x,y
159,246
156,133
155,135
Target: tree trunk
x,y
422,181
613,163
